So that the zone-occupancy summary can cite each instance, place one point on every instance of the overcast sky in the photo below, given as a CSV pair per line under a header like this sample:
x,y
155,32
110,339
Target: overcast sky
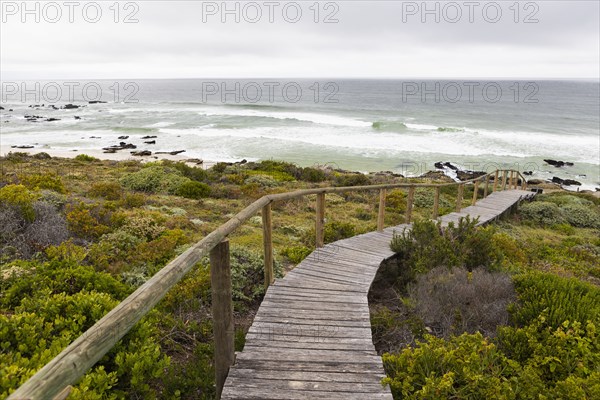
x,y
371,39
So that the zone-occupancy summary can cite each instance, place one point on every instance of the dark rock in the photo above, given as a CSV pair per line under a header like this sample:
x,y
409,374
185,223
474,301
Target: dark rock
x,y
173,153
1,108
529,173
123,137
53,107
109,150
141,153
535,182
558,164
70,107
77,117
22,147
96,102
148,137
151,142
566,182
10,109
52,119
468,175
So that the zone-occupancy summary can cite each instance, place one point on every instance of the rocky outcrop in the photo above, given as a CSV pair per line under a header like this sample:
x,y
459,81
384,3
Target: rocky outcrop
x,y
558,164
565,182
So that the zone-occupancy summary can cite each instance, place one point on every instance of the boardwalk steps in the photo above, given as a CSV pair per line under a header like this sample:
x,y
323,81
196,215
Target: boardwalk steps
x,y
311,337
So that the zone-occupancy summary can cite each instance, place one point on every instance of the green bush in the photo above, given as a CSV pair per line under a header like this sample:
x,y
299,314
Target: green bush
x,y
296,253
106,190
346,179
86,221
467,366
543,212
19,196
581,216
43,181
563,299
395,200
337,230
193,190
427,246
310,174
85,158
154,179
42,326
194,173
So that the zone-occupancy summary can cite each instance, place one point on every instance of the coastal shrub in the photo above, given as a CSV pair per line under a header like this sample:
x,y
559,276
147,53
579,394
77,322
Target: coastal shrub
x,y
194,173
67,252
19,196
42,156
156,253
264,181
41,327
22,238
154,179
562,299
452,302
133,200
31,279
562,199
144,225
58,200
466,366
106,190
43,181
86,221
581,216
286,170
395,200
296,253
349,179
427,246
111,249
338,230
193,190
310,174
542,212
85,158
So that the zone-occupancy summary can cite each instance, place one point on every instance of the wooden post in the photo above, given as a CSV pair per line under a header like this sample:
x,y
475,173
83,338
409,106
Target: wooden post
x,y
381,210
495,181
504,176
320,223
486,187
475,190
222,311
511,179
523,183
459,197
436,203
409,203
268,244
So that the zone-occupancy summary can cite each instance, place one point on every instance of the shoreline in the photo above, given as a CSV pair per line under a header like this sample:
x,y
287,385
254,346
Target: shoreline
x,y
124,155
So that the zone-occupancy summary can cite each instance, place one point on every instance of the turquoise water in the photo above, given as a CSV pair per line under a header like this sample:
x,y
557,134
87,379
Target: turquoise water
x,y
365,125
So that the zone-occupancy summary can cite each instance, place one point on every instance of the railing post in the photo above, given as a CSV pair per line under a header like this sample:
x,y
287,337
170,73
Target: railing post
x,y
511,179
409,203
381,210
459,197
320,223
268,244
523,183
504,177
516,180
475,193
222,312
436,203
495,181
486,187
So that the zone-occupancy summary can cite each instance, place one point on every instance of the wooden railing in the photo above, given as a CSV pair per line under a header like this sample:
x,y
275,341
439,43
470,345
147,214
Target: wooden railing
x,y
52,381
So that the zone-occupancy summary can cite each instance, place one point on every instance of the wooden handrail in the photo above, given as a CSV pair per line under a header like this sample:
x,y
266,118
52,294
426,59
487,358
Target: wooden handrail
x,y
77,358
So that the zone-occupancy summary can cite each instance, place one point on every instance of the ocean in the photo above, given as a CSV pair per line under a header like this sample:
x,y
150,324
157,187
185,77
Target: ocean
x,y
403,126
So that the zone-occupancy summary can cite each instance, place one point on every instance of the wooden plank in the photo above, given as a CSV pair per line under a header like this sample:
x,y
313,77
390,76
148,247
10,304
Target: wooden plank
x,y
320,220
268,244
308,376
222,312
381,210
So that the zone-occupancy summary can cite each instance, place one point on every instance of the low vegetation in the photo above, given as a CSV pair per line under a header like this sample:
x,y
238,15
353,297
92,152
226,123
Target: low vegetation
x,y
508,312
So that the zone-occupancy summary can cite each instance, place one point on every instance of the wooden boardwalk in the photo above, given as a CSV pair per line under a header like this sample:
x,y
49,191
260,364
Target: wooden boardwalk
x,y
311,337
